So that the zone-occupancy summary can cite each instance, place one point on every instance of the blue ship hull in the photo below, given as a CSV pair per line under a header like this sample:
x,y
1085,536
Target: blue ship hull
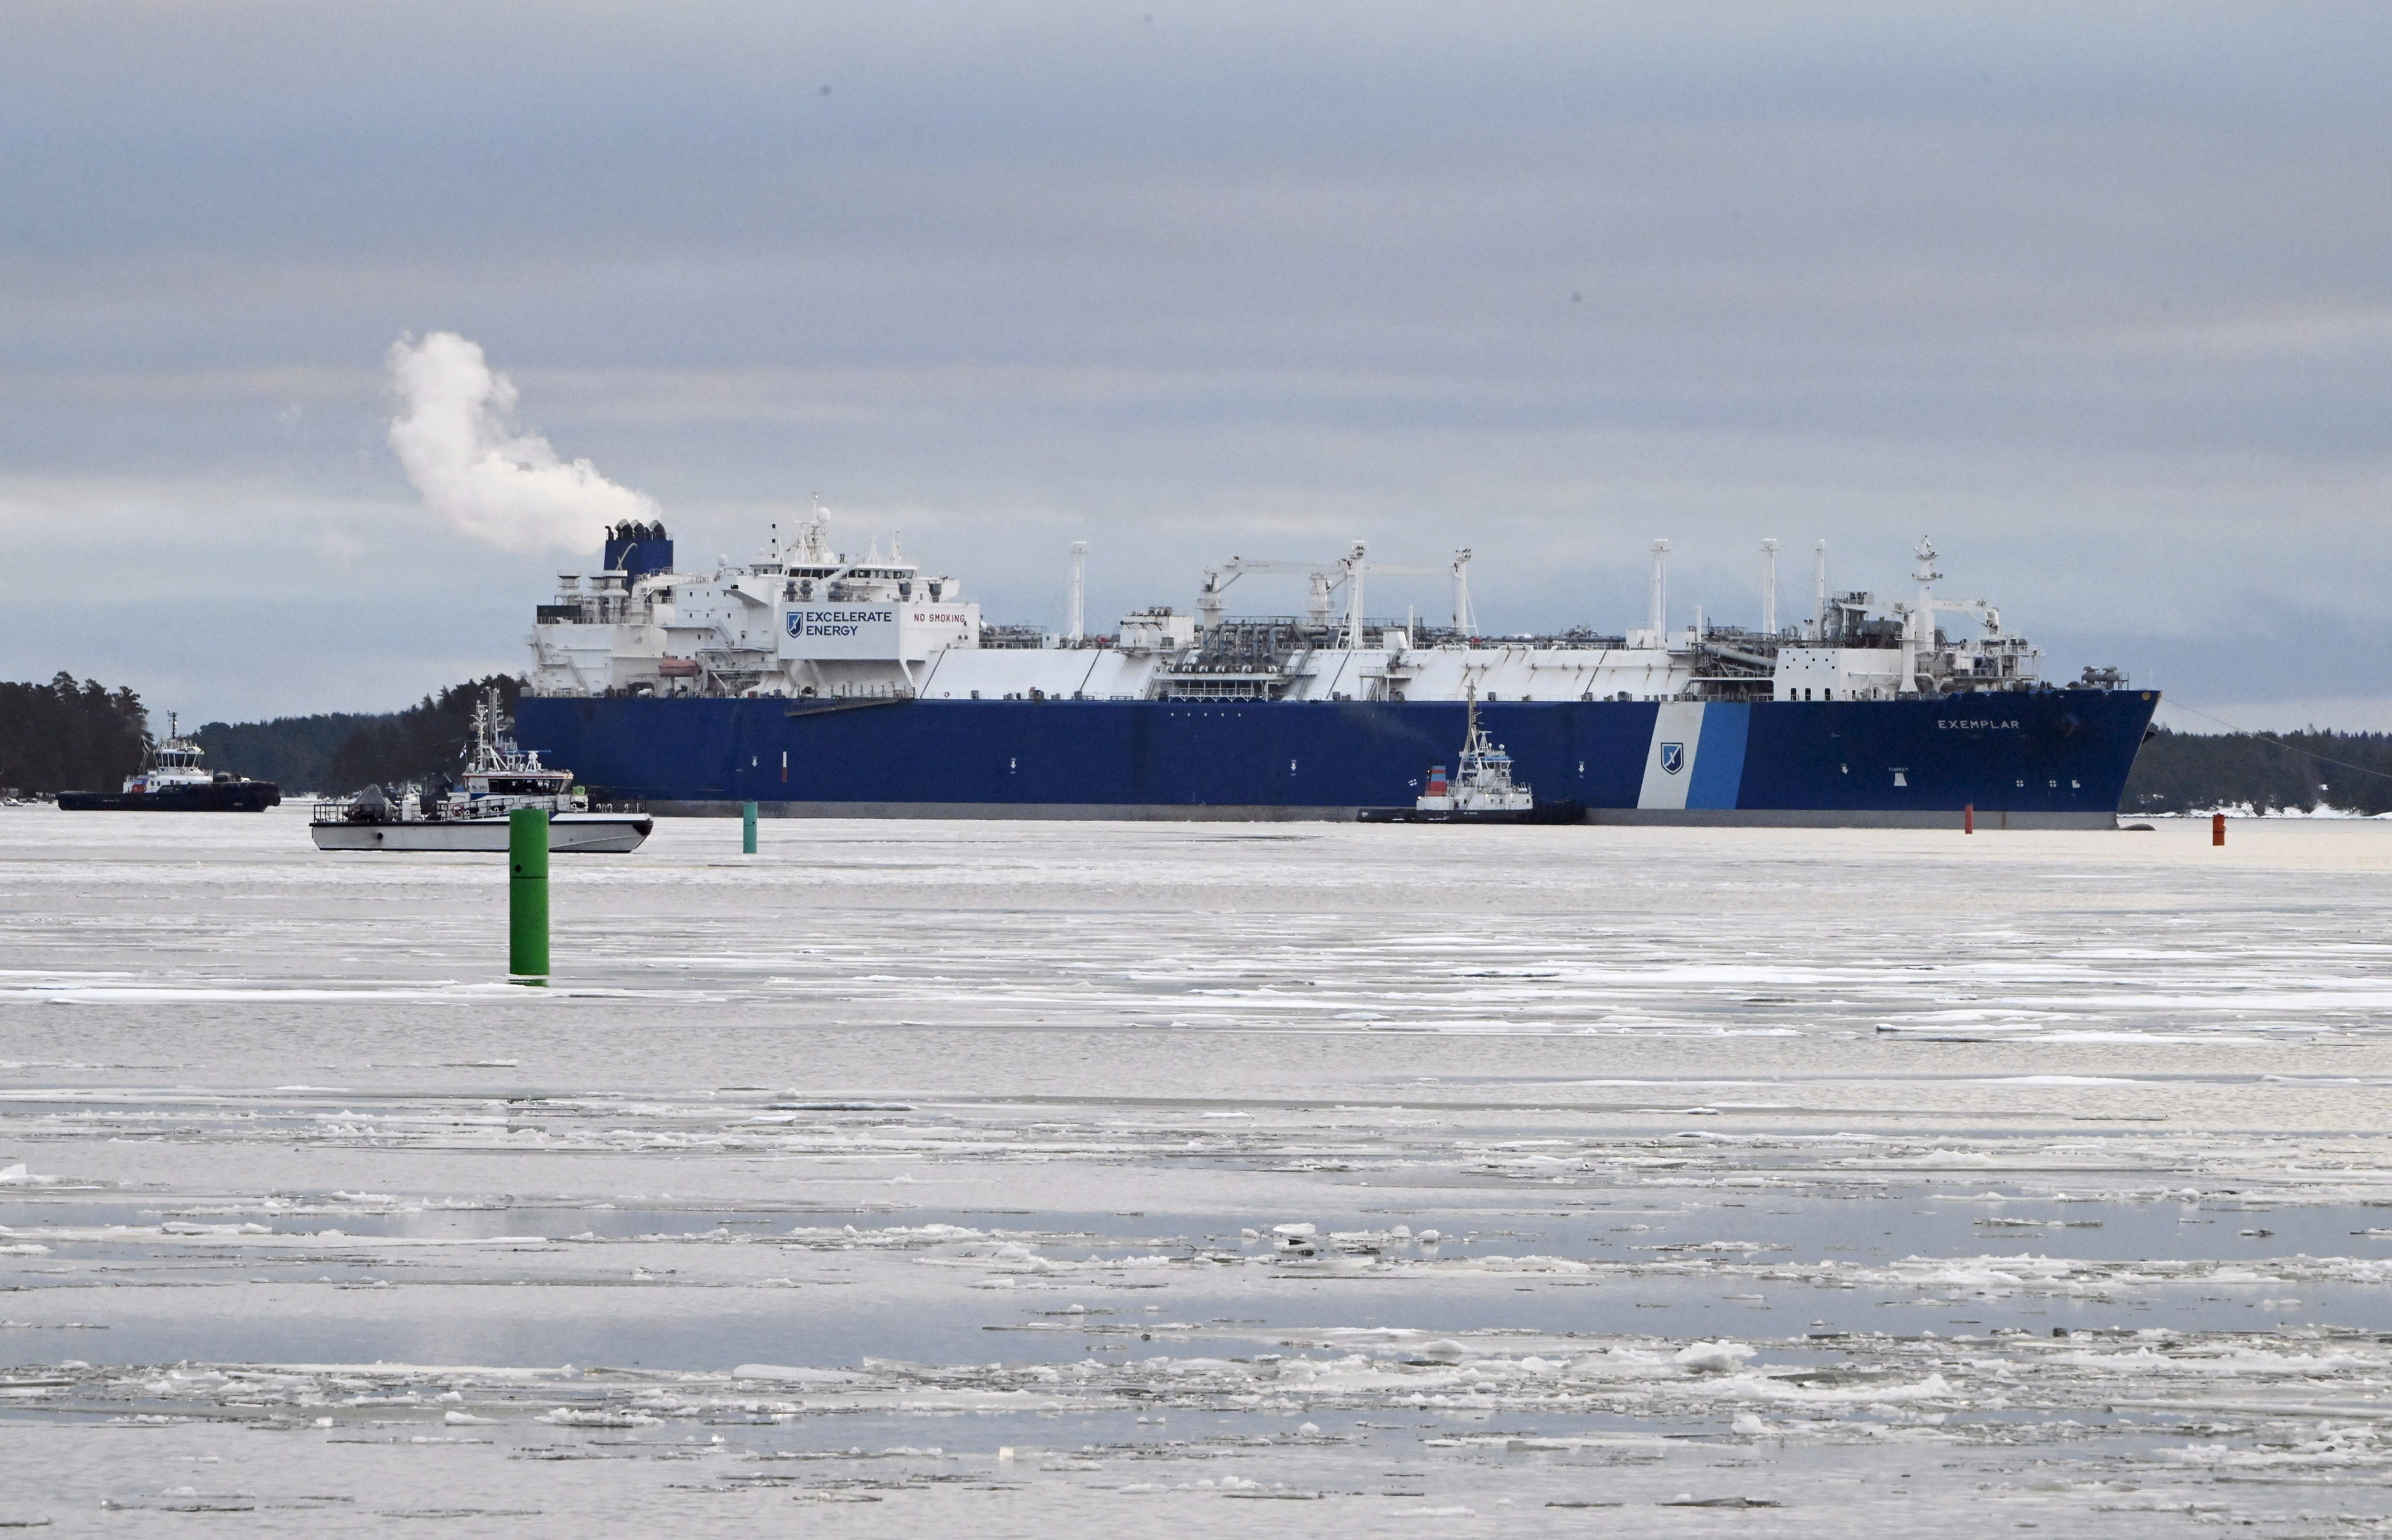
x,y
2050,760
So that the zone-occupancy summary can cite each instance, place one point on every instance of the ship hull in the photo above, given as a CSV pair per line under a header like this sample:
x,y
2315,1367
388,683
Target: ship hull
x,y
568,834
2047,759
218,797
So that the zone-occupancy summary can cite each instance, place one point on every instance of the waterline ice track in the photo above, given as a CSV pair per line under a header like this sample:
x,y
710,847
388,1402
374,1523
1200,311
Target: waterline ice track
x,y
828,1177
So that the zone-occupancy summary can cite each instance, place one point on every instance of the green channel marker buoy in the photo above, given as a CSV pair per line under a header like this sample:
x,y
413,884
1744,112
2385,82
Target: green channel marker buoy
x,y
747,828
528,894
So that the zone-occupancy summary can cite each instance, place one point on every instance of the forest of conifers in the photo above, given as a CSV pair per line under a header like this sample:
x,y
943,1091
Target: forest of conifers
x,y
63,735
2197,771
344,751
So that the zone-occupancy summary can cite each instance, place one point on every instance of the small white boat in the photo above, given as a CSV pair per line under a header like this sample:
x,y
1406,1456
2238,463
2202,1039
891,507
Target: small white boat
x,y
1481,790
499,778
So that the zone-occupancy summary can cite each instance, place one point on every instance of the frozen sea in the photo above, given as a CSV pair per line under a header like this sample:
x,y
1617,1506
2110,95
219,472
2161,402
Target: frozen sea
x,y
1102,1179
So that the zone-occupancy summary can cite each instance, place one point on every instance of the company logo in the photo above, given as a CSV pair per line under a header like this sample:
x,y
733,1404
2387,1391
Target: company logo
x,y
835,623
1673,759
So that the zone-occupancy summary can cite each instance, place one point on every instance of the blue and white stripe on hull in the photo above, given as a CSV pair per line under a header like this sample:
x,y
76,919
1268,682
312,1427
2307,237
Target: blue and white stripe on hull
x,y
1697,756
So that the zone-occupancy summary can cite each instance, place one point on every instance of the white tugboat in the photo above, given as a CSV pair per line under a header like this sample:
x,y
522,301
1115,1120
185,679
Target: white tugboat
x,y
1481,790
499,779
173,780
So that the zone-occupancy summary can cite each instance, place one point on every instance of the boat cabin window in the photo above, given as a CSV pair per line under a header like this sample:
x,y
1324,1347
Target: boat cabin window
x,y
521,785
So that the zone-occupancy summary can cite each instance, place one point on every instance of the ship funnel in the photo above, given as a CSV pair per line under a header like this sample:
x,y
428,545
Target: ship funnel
x,y
636,550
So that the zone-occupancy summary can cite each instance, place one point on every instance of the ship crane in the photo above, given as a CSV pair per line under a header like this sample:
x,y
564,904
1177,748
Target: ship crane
x,y
1326,578
1919,618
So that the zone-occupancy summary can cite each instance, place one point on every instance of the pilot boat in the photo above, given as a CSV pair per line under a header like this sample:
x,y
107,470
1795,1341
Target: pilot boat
x,y
173,780
499,779
1480,791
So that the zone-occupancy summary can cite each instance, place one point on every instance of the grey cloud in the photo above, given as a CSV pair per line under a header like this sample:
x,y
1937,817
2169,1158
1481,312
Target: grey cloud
x,y
2097,296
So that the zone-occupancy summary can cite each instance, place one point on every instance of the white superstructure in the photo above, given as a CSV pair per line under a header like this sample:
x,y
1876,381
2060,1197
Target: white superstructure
x,y
805,621
1482,779
798,620
174,763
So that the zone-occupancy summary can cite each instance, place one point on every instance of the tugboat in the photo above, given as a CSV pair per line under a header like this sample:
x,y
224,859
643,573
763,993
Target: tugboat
x,y
1481,790
499,779
172,781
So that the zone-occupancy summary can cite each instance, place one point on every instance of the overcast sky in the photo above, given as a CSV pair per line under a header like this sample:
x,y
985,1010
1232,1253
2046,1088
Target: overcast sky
x,y
2098,297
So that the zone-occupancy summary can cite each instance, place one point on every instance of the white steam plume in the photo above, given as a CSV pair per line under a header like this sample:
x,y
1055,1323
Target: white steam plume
x,y
505,488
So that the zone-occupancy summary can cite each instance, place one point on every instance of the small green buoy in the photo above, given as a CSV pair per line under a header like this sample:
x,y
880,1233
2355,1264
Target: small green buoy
x,y
528,894
747,828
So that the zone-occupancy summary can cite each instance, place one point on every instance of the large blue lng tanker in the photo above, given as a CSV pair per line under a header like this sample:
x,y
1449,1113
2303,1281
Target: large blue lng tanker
x,y
817,685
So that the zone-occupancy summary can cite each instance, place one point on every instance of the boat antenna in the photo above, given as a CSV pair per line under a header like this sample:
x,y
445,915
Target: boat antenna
x,y
1075,605
1768,587
486,711
1819,583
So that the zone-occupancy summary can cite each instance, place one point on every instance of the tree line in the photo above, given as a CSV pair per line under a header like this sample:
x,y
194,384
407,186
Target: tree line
x,y
64,736
2181,772
342,752
69,736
